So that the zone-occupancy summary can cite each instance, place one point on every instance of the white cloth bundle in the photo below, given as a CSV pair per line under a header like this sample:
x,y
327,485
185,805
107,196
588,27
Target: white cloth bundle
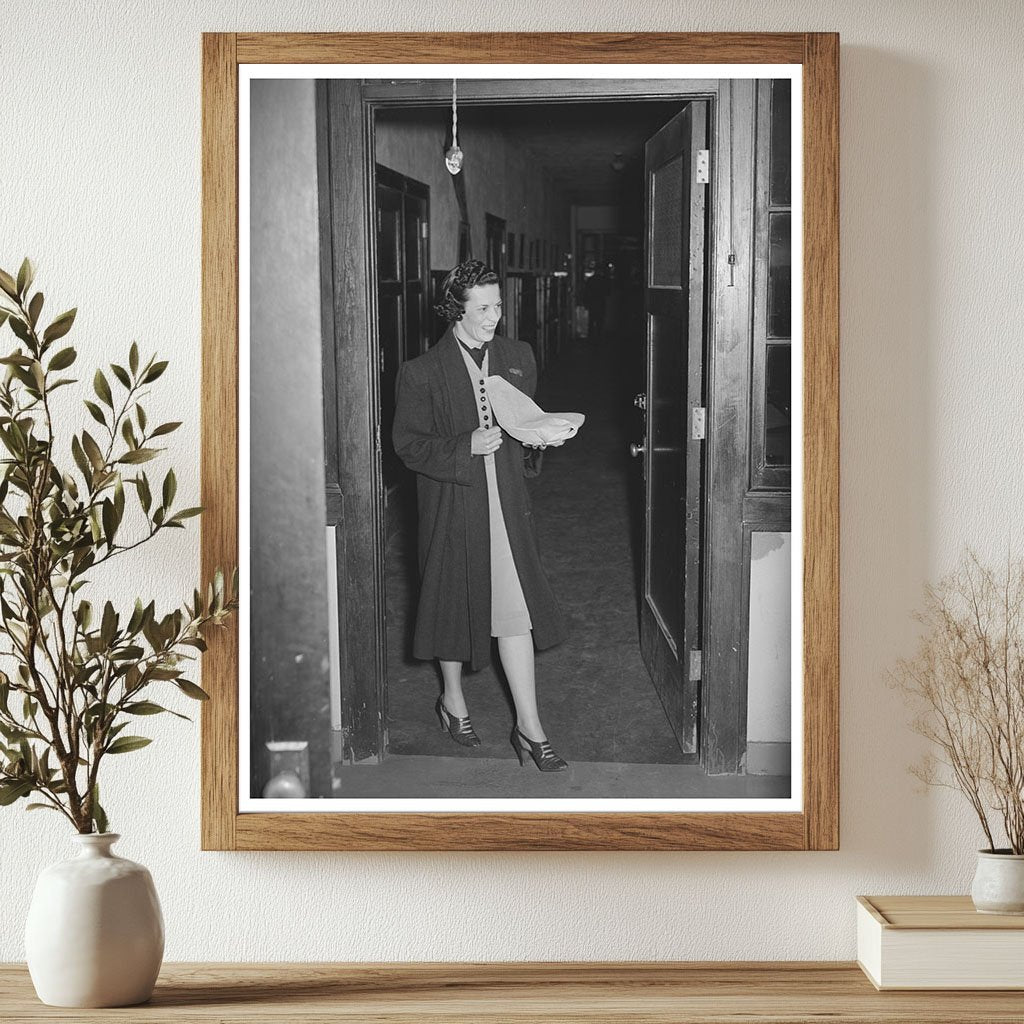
x,y
526,421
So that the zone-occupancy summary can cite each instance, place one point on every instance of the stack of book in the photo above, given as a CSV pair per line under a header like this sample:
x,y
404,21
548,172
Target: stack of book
x,y
938,942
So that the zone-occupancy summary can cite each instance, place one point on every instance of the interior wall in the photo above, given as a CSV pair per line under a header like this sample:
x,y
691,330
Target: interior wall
x,y
596,218
499,178
105,194
289,670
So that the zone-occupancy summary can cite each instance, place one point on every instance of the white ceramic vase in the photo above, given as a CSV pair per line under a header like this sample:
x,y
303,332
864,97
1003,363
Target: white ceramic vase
x,y
95,933
999,883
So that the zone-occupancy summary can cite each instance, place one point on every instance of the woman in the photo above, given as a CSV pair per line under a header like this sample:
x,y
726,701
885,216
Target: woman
x,y
480,568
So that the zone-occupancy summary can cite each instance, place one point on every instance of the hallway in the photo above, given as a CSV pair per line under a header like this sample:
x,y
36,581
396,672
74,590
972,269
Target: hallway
x,y
597,700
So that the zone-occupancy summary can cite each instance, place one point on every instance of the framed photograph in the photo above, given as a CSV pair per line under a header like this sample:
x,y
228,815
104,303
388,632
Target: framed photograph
x,y
535,553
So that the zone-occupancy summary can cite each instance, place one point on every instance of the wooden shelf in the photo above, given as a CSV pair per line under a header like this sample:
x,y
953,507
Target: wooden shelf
x,y
480,993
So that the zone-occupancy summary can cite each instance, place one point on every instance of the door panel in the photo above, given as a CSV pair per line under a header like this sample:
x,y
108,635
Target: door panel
x,y
416,277
389,235
402,255
666,477
670,621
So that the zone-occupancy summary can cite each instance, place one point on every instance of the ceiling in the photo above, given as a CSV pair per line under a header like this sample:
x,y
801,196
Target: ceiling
x,y
574,142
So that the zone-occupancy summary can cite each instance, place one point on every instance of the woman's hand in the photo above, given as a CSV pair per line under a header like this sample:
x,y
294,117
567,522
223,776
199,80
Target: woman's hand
x,y
541,447
486,440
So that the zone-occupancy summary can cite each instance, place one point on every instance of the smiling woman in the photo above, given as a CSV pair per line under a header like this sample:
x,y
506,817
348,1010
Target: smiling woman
x,y
479,564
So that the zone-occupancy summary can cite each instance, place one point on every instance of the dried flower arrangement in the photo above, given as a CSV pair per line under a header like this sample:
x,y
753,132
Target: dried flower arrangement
x,y
967,680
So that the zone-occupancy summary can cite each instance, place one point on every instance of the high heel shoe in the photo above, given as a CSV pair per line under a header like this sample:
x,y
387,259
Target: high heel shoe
x,y
540,750
460,729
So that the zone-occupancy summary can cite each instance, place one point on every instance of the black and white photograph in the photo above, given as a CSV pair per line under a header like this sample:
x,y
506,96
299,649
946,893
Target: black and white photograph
x,y
520,380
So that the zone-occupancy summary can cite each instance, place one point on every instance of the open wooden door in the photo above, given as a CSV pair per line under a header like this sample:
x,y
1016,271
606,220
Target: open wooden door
x,y
676,172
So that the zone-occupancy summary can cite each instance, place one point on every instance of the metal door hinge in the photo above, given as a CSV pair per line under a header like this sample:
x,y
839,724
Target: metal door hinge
x,y
703,166
424,229
695,665
698,423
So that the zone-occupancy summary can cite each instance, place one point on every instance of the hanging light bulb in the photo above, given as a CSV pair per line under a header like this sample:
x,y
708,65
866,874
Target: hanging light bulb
x,y
453,158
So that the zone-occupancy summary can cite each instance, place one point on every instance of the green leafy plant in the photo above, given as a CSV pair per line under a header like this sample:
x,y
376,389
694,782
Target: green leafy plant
x,y
80,675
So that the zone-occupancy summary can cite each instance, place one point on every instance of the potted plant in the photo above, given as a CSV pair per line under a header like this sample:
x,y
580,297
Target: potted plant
x,y
79,672
967,681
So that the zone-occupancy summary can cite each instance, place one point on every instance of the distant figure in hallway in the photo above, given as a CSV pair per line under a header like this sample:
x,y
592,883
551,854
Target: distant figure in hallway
x,y
595,298
479,564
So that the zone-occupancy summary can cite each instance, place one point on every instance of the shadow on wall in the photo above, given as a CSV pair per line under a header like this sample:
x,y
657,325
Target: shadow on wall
x,y
887,294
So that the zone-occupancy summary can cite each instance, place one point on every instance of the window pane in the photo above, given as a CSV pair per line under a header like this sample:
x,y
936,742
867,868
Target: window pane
x,y
666,224
777,422
781,157
779,276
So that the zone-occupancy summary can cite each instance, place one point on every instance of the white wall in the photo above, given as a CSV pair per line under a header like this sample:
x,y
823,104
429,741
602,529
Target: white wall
x,y
102,188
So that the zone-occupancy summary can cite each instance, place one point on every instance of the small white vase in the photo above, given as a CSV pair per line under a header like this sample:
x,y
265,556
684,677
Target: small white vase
x,y
999,883
95,933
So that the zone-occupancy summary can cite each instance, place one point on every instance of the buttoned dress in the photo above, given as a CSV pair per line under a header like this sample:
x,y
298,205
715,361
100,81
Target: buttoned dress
x,y
509,613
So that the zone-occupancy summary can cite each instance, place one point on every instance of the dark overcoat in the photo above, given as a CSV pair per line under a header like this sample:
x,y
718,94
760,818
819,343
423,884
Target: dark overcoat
x,y
435,416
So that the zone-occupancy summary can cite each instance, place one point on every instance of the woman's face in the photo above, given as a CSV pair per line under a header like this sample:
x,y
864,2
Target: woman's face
x,y
482,313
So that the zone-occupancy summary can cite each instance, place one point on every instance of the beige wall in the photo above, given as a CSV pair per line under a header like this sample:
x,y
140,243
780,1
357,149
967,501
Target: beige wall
x,y
105,194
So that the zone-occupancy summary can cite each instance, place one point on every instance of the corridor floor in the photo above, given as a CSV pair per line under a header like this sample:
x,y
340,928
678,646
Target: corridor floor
x,y
414,777
597,700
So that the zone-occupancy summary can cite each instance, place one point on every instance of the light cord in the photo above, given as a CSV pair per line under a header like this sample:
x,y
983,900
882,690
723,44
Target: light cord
x,y
455,113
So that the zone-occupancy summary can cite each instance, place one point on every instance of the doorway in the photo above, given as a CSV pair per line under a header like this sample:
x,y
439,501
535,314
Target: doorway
x,y
368,733
597,696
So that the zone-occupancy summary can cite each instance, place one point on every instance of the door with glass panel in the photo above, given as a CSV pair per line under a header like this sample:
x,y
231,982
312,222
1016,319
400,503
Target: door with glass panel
x,y
676,165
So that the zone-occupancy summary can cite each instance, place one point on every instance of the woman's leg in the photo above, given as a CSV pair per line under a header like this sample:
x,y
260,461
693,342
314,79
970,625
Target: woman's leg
x,y
454,701
517,660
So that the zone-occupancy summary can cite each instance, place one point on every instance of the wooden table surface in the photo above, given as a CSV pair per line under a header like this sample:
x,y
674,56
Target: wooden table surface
x,y
656,992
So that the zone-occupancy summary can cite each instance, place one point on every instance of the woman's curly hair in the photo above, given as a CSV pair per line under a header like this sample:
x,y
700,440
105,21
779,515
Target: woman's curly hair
x,y
456,285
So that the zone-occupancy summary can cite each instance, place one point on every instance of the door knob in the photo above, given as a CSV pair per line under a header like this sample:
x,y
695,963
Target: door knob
x,y
637,449
640,401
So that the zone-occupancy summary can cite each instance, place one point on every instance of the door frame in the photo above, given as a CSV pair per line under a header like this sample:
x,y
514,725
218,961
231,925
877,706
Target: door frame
x,y
346,111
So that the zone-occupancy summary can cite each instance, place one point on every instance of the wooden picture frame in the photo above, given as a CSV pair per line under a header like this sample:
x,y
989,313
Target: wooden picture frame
x,y
816,826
